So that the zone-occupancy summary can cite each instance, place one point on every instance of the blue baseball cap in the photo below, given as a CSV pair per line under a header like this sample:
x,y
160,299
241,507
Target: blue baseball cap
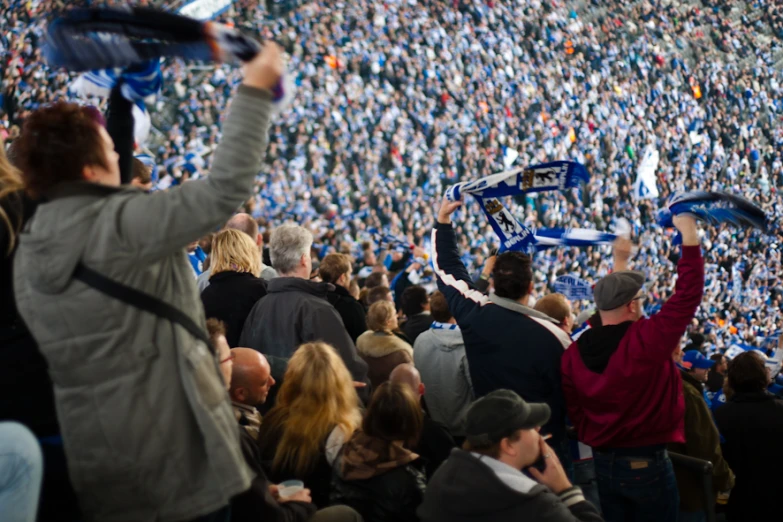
x,y
693,359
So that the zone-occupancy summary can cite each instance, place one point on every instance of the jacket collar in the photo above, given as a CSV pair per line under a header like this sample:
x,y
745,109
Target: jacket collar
x,y
231,274
297,284
365,457
341,291
509,304
381,344
753,397
511,477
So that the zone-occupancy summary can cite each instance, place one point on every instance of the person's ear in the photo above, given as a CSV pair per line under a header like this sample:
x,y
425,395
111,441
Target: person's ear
x,y
530,289
89,174
422,389
259,240
507,447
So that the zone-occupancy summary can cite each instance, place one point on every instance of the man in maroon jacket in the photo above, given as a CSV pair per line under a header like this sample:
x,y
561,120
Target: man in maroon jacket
x,y
623,391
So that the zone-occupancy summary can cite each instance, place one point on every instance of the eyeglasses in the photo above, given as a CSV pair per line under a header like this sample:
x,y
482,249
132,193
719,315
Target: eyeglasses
x,y
229,358
640,297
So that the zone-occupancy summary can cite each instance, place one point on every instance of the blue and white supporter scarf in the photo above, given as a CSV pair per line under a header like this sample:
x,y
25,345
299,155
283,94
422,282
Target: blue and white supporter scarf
x,y
573,288
714,208
443,326
390,241
515,236
578,237
395,243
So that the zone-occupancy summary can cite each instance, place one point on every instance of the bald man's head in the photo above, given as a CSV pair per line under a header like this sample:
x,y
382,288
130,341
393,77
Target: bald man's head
x,y
407,374
251,377
245,223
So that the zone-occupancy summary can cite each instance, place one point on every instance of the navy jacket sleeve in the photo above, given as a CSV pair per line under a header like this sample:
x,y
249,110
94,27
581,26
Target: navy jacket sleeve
x,y
453,278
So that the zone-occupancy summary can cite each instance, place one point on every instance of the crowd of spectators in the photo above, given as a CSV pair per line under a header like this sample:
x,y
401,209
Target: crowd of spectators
x,y
334,383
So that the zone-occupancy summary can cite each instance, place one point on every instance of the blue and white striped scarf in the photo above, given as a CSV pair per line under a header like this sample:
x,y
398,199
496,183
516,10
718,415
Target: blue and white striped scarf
x,y
714,208
513,235
443,326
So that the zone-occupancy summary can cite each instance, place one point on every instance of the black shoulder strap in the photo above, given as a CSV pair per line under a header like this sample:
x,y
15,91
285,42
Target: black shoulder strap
x,y
140,300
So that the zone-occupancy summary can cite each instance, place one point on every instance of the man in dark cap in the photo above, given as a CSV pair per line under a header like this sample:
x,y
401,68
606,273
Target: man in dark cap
x,y
623,390
486,483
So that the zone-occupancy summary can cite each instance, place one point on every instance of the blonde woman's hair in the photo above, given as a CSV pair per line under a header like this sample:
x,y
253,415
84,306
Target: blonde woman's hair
x,y
382,317
317,395
234,251
10,182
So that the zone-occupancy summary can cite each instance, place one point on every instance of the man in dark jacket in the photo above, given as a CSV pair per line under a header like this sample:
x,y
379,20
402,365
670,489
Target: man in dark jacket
x,y
751,423
509,345
336,269
485,483
416,307
702,441
624,392
296,310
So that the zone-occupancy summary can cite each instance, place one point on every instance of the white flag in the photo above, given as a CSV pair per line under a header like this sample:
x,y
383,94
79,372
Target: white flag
x,y
509,157
645,187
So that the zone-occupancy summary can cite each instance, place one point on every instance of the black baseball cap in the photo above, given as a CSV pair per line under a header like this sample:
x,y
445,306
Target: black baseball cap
x,y
499,414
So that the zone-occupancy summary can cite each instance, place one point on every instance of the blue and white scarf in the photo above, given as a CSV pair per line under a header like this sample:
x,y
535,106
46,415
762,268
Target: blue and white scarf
x,y
390,242
574,288
714,208
443,326
515,236
578,237
395,243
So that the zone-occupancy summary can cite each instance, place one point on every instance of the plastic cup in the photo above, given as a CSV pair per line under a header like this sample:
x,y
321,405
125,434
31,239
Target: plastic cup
x,y
289,488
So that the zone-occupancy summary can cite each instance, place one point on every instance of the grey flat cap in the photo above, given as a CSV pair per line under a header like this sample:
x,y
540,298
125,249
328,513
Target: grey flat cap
x,y
617,289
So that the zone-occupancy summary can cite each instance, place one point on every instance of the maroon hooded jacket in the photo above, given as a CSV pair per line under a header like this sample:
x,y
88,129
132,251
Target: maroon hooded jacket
x,y
621,386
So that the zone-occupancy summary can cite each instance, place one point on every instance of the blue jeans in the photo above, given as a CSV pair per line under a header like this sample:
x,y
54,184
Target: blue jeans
x,y
584,477
637,485
21,471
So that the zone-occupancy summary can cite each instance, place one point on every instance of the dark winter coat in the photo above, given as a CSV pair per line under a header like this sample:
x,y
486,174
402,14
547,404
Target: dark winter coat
x,y
22,367
381,480
416,325
229,297
466,489
752,427
296,311
509,346
351,311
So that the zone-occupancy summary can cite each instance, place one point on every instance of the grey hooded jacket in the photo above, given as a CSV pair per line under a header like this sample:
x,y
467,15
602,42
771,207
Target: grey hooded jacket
x,y
146,422
439,355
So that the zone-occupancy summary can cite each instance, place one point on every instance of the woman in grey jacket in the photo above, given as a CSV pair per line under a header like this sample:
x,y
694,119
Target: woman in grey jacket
x,y
147,427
